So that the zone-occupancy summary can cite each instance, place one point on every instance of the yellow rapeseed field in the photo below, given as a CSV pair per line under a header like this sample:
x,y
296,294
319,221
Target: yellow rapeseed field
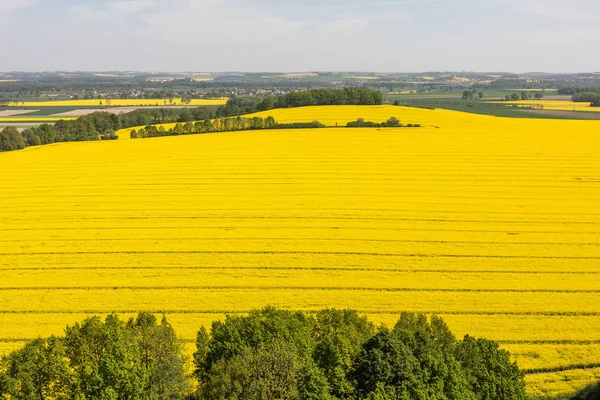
x,y
118,102
558,105
491,223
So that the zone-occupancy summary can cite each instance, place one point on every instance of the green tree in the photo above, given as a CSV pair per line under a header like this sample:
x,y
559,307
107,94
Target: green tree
x,y
489,371
31,137
261,327
46,133
160,356
188,128
340,336
270,122
411,361
585,97
392,122
385,363
40,370
106,361
269,372
178,129
11,139
267,104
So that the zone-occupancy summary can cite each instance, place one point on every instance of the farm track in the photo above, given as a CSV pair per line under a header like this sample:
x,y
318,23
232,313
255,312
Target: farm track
x,y
491,223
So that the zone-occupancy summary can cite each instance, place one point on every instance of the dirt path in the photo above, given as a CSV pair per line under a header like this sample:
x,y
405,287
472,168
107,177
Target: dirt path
x,y
114,110
572,114
10,113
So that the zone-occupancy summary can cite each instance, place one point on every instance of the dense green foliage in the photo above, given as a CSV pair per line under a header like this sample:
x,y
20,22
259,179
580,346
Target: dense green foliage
x,y
96,126
339,355
571,90
268,354
139,359
11,139
102,125
219,125
489,370
591,392
314,97
585,97
393,122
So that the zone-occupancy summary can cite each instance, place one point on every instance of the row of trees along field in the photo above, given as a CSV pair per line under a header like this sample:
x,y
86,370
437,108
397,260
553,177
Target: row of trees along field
x,y
254,123
571,90
472,94
268,354
219,125
313,97
102,125
393,122
96,126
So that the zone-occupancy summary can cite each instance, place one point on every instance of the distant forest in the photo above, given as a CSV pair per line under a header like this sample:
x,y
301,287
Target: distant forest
x,y
269,354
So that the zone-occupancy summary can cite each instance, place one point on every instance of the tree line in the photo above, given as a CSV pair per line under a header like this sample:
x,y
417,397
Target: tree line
x,y
571,90
393,122
587,97
102,125
524,96
313,97
96,126
219,125
253,123
268,354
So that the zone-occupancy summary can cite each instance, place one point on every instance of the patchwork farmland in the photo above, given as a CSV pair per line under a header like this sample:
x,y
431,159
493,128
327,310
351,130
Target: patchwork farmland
x,y
491,223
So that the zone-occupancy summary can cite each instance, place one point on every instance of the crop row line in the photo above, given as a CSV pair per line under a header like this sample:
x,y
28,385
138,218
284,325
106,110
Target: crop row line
x,y
361,311
345,210
550,342
293,288
337,228
311,218
358,268
304,252
533,371
296,239
260,191
362,181
324,177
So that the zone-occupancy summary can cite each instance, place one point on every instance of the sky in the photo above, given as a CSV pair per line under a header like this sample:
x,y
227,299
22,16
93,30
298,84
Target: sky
x,y
300,35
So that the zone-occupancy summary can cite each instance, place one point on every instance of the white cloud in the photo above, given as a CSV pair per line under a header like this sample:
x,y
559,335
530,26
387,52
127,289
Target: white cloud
x,y
303,35
7,6
109,12
561,10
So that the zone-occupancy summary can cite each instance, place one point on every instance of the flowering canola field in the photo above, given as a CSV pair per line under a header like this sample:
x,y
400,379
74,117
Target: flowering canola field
x,y
491,223
557,105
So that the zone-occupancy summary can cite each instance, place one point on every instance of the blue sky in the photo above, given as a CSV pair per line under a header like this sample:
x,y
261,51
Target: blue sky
x,y
301,35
